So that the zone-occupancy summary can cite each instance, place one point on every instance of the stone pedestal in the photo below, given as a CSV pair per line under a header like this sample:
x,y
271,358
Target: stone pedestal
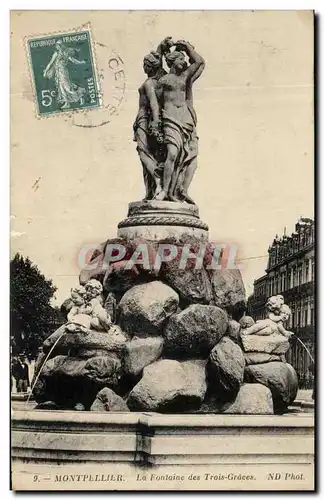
x,y
117,451
156,220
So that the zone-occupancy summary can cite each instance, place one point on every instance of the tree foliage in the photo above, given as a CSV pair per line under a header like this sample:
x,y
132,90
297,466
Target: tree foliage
x,y
32,318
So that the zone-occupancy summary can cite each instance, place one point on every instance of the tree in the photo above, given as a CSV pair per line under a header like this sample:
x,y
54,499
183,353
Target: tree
x,y
32,318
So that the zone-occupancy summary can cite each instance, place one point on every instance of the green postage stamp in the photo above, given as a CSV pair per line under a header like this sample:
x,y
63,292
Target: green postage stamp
x,y
63,72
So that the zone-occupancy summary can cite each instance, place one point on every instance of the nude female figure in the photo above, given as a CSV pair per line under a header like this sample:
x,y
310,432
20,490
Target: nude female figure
x,y
181,180
147,126
178,120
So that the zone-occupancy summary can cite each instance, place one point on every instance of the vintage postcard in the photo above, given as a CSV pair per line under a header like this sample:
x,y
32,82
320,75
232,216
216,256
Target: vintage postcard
x,y
162,251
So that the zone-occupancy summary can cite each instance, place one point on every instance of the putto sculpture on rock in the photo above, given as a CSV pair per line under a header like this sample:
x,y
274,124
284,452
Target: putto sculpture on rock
x,y
278,314
87,311
165,126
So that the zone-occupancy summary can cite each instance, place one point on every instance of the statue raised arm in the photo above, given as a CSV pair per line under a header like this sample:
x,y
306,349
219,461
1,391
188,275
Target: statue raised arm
x,y
181,182
178,119
197,62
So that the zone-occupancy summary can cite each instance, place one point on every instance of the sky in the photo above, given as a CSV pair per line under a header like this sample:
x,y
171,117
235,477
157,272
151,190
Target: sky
x,y
71,184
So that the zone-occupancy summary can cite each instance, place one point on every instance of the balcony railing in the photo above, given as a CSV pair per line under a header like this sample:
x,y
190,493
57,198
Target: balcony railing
x,y
299,291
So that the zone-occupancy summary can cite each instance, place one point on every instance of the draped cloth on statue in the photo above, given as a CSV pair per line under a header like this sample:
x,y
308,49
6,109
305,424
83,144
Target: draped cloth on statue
x,y
147,145
182,134
141,133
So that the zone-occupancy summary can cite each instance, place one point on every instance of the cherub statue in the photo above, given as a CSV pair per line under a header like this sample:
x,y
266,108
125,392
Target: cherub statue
x,y
79,318
278,314
100,318
280,319
274,303
87,311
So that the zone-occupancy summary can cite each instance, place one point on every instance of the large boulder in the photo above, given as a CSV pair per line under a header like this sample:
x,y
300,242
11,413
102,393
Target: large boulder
x,y
70,381
101,370
252,399
95,269
56,340
108,400
40,392
144,309
281,379
86,353
194,331
271,344
141,352
228,291
193,285
254,358
38,365
80,343
234,331
118,278
47,405
123,274
225,369
170,386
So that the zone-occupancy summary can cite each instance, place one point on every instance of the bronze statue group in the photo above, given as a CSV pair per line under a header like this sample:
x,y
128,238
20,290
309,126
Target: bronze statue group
x,y
165,126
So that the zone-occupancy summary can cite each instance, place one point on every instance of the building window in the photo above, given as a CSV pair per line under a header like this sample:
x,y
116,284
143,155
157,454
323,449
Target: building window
x,y
307,271
300,275
312,269
295,318
305,314
312,318
294,276
301,316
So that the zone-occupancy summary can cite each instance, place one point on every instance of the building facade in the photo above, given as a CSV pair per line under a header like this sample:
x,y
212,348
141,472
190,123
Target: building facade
x,y
291,273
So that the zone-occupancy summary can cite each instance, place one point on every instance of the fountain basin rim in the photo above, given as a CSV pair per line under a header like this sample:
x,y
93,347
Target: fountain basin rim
x,y
30,417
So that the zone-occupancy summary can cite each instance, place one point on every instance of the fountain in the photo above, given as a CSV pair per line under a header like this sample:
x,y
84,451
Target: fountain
x,y
157,365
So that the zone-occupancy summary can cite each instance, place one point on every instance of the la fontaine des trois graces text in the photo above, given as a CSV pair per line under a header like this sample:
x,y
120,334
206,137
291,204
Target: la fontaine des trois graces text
x,y
154,477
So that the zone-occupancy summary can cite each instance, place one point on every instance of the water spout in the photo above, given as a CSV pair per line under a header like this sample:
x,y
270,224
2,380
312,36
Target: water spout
x,y
41,368
306,349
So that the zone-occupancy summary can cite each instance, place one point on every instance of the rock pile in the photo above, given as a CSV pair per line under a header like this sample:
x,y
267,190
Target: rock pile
x,y
163,339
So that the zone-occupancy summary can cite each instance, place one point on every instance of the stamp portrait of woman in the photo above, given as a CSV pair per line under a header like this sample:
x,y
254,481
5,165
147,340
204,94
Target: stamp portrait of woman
x,y
58,70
